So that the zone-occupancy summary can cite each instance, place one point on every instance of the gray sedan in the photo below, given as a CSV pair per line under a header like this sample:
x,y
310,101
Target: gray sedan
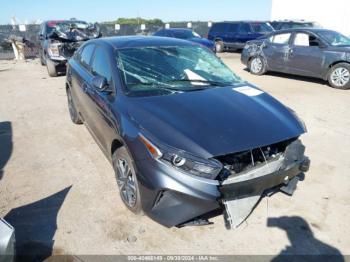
x,y
310,52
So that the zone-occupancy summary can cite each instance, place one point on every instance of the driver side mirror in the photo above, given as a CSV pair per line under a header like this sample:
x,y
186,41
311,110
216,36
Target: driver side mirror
x,y
101,84
41,37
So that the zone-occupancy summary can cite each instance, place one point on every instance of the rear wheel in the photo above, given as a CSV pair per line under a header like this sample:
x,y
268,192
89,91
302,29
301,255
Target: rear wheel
x,y
339,76
72,109
257,65
126,180
219,46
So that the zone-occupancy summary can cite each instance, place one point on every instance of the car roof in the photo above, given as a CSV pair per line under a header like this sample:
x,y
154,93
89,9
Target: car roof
x,y
52,22
307,29
244,21
177,29
292,21
119,42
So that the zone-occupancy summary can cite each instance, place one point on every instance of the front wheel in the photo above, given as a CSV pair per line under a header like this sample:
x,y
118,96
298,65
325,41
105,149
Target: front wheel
x,y
257,65
51,68
219,46
72,109
126,180
339,76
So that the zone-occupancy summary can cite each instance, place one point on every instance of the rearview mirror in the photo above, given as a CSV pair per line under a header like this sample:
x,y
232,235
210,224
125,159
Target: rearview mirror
x,y
101,84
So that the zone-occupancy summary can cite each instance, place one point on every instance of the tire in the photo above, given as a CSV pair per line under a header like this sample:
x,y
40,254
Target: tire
x,y
219,46
51,68
74,116
42,61
127,183
257,65
339,76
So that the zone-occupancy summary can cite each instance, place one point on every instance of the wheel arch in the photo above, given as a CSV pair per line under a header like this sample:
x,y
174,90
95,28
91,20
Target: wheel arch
x,y
116,143
325,77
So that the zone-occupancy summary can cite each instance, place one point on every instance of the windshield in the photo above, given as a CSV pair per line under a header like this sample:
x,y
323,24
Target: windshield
x,y
164,70
185,34
334,38
261,27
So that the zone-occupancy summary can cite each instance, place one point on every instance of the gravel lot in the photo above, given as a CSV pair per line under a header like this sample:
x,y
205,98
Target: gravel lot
x,y
59,191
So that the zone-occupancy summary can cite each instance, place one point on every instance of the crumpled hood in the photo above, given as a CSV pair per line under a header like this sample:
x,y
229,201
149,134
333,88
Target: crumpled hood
x,y
76,34
214,121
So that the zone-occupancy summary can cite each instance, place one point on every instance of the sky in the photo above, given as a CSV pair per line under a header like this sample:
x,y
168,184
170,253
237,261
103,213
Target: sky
x,y
107,10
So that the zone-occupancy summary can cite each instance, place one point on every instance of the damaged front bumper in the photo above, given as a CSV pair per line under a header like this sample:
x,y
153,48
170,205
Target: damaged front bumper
x,y
61,52
173,198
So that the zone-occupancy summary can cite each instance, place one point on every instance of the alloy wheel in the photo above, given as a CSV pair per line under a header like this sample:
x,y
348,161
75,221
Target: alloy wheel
x,y
126,182
218,47
256,65
340,76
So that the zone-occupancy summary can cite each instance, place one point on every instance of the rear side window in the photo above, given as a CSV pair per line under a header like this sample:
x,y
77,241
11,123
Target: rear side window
x,y
86,54
245,29
160,33
280,38
219,28
233,27
303,39
261,27
100,65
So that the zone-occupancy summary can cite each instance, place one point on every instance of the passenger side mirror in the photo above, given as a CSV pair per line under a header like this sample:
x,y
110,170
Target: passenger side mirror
x,y
101,84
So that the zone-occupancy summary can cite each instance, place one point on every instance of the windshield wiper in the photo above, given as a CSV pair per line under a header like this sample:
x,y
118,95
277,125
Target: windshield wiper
x,y
212,83
159,86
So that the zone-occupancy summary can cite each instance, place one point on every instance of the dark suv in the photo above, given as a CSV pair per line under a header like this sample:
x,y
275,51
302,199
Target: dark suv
x,y
234,35
60,38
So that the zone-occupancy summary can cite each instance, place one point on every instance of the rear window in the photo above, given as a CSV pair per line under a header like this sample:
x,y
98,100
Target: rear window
x,y
261,27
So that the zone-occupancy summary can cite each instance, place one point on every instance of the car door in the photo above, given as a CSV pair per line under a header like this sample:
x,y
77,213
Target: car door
x,y
80,76
275,50
306,56
230,35
244,34
99,102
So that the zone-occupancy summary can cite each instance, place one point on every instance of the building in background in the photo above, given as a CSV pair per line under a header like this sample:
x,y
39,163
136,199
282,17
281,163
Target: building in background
x,y
334,14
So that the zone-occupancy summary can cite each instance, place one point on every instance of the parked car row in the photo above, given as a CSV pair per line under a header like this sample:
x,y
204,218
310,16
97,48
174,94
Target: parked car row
x,y
59,39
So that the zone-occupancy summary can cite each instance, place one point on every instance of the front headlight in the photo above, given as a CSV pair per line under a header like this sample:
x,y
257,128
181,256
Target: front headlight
x,y
54,50
183,161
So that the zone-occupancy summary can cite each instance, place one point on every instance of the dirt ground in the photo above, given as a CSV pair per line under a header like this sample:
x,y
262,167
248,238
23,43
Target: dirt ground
x,y
59,192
